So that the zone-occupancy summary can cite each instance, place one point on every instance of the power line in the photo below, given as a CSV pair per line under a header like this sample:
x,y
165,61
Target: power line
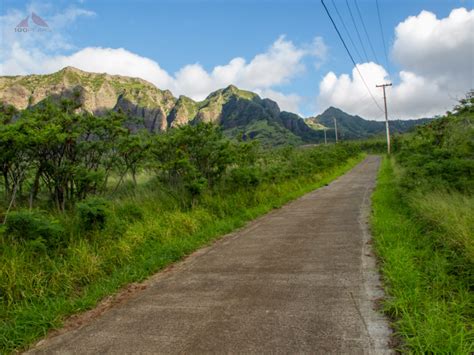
x,y
383,37
387,62
350,56
365,30
347,31
357,31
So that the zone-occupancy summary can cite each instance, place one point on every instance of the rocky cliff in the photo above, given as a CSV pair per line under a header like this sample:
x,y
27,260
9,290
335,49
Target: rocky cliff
x,y
239,112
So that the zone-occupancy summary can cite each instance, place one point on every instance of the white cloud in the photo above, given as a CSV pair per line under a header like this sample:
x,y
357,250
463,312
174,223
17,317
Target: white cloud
x,y
112,61
414,96
436,57
278,65
287,102
319,50
437,48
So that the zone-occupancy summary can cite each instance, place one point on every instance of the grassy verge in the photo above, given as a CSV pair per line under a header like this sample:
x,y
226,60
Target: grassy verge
x,y
425,245
51,288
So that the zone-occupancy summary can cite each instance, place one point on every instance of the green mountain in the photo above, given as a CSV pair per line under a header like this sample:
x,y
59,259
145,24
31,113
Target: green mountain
x,y
242,114
355,127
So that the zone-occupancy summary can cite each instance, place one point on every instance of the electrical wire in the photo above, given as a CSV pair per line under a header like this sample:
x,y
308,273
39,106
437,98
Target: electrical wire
x,y
357,31
347,31
383,37
350,56
365,30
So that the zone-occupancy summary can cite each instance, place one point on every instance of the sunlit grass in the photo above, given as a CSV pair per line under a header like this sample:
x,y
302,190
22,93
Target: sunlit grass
x,y
453,215
428,281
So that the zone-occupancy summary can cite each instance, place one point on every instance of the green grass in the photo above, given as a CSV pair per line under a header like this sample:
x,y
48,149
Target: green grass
x,y
149,231
452,214
422,243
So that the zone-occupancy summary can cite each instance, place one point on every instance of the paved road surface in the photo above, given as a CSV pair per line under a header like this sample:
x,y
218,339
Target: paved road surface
x,y
298,280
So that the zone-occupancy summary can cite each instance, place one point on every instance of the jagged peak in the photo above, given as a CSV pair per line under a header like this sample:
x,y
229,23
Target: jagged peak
x,y
332,109
70,69
184,98
231,87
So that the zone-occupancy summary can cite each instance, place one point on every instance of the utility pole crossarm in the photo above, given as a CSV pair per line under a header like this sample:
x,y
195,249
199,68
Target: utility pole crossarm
x,y
383,86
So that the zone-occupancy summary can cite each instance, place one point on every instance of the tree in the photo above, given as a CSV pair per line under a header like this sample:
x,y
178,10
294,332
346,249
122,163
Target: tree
x,y
192,156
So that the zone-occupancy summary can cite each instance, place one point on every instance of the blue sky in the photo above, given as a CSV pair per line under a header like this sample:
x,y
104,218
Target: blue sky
x,y
178,34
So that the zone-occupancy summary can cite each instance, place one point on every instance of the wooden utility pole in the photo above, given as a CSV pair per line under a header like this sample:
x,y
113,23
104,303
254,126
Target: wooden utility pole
x,y
335,127
386,114
325,139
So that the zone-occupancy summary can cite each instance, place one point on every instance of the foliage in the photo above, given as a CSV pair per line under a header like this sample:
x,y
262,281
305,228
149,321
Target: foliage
x,y
423,226
92,213
193,157
27,226
440,154
426,273
130,212
65,155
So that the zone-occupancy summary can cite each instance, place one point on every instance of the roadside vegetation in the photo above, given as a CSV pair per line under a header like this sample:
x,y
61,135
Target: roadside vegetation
x,y
89,206
423,225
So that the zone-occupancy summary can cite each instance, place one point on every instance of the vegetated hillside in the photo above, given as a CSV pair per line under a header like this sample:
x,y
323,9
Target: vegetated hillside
x,y
440,154
242,114
355,127
423,226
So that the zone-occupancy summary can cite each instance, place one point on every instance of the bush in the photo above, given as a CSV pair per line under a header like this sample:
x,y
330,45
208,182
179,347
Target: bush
x,y
439,155
244,177
130,212
92,213
35,228
195,157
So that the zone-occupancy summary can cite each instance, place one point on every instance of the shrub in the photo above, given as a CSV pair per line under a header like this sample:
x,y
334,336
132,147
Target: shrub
x,y
130,212
92,213
244,177
35,228
439,155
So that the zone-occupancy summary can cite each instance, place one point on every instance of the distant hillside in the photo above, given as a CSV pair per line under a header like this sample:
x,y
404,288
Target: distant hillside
x,y
242,114
355,127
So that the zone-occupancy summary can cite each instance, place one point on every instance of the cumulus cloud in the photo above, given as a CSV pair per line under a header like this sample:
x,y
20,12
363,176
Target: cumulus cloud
x,y
348,92
287,102
278,65
414,96
436,57
441,49
112,61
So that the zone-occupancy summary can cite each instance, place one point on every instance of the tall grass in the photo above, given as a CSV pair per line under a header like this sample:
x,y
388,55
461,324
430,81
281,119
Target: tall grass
x,y
452,214
146,230
424,245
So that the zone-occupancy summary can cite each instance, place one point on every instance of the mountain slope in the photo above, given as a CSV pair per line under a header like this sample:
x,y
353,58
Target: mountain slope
x,y
355,127
242,114
97,93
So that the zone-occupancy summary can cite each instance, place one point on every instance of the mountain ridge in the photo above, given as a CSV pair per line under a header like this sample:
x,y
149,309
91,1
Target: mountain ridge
x,y
242,114
356,127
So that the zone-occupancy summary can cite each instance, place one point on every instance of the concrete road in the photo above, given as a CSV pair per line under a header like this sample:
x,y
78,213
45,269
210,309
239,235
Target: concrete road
x,y
300,279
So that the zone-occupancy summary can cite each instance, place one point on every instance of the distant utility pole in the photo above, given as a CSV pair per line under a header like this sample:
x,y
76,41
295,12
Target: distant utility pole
x,y
335,127
386,114
325,139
